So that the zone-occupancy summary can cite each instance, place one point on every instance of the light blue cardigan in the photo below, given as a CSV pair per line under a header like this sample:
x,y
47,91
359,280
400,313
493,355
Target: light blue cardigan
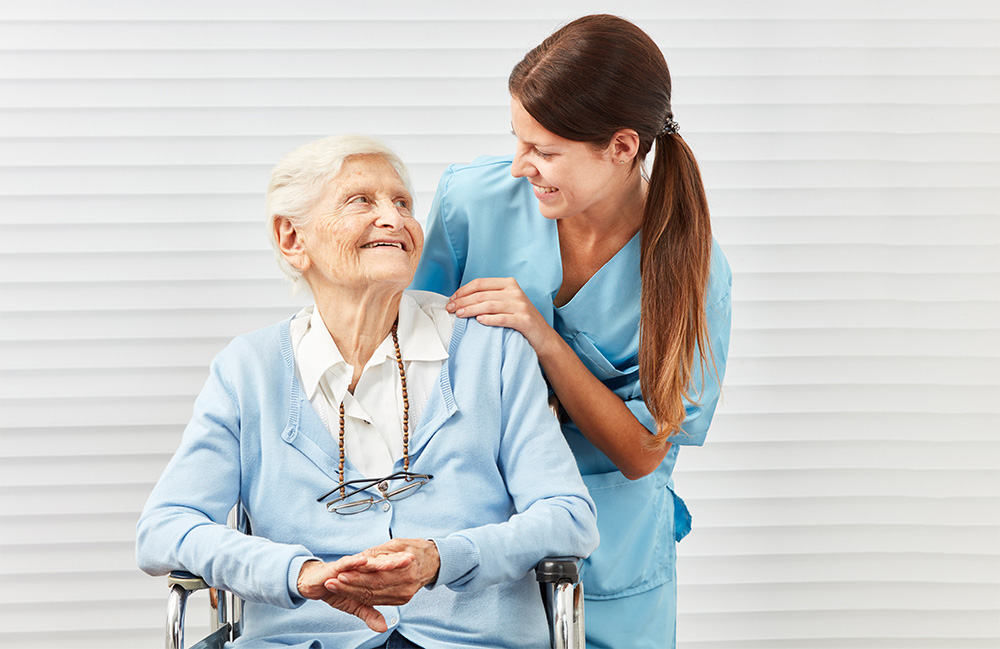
x,y
506,492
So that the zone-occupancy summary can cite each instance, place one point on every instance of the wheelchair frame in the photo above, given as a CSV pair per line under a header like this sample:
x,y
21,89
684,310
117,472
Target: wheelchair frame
x,y
558,578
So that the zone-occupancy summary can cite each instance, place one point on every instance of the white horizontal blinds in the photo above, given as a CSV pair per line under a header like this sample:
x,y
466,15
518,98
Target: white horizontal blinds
x,y
848,493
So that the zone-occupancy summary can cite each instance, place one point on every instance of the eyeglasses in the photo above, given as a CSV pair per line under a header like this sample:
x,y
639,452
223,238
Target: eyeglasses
x,y
353,500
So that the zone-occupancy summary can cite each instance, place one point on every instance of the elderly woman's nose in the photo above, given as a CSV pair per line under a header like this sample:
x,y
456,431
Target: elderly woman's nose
x,y
387,215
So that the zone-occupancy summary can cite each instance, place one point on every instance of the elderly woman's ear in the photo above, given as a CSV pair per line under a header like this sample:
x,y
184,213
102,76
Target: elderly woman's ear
x,y
290,244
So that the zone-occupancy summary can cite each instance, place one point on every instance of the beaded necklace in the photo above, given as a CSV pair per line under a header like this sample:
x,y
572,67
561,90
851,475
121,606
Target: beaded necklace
x,y
406,414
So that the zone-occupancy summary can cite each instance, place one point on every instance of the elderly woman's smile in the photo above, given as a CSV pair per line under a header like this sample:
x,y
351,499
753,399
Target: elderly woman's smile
x,y
399,245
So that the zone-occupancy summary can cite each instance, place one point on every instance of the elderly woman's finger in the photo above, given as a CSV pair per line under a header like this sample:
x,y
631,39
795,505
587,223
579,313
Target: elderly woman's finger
x,y
385,561
349,562
371,617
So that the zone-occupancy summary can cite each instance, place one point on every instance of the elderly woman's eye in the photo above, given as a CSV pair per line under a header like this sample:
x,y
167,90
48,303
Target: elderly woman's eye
x,y
402,203
359,199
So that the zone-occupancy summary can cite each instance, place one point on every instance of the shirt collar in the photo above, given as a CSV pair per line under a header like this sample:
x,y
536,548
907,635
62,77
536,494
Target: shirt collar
x,y
318,355
419,339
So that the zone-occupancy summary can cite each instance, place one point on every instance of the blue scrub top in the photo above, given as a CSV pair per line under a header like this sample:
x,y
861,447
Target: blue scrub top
x,y
486,223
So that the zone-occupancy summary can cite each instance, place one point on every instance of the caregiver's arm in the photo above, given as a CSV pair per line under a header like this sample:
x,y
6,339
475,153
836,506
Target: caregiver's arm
x,y
599,413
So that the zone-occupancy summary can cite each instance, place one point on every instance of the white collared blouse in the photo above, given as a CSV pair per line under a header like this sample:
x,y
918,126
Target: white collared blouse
x,y
373,421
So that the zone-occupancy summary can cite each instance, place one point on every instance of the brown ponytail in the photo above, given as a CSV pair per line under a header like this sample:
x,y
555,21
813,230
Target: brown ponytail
x,y
585,82
674,265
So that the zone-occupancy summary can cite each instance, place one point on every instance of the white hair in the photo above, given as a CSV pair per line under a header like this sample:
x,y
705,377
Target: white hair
x,y
300,178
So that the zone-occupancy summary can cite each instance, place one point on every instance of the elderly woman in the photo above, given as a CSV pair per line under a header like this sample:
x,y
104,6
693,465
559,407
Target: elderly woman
x,y
387,454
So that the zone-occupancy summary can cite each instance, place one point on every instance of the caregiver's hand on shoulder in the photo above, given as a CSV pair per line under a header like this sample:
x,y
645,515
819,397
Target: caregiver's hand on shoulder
x,y
314,575
500,302
389,587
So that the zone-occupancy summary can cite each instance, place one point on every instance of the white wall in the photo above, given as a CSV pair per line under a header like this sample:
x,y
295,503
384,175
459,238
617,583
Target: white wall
x,y
849,494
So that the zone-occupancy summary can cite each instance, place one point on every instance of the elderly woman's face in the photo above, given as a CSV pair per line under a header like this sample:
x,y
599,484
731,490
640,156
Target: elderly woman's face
x,y
362,232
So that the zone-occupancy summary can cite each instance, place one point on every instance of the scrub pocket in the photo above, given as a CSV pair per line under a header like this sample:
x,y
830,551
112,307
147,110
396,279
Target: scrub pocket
x,y
636,521
613,378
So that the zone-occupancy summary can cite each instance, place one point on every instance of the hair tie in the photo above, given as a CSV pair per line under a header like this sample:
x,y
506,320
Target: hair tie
x,y
669,127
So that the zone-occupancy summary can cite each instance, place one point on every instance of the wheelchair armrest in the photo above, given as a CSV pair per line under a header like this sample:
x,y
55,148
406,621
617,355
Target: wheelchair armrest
x,y
562,594
558,570
186,580
181,585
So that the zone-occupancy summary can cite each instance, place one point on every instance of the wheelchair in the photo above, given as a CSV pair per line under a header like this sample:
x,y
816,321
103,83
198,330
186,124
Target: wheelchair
x,y
558,578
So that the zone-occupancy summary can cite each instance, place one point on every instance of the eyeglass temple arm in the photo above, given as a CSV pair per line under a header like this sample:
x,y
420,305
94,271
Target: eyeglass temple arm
x,y
372,482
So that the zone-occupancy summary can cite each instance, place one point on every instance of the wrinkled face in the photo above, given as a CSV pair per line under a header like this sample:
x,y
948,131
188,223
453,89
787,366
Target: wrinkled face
x,y
568,177
362,232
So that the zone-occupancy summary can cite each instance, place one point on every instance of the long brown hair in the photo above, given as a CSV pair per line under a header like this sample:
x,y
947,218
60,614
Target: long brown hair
x,y
588,80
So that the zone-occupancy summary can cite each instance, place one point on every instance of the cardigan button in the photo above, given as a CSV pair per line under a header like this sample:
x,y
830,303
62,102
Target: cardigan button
x,y
385,506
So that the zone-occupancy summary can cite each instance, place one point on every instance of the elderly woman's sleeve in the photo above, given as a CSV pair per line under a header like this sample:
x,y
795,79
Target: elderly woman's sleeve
x,y
183,525
442,261
555,514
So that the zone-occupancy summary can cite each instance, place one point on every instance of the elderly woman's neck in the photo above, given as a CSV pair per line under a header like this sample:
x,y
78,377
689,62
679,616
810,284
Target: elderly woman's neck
x,y
358,326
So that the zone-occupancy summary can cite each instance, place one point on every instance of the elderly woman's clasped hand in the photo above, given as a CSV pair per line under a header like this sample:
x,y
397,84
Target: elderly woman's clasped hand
x,y
388,575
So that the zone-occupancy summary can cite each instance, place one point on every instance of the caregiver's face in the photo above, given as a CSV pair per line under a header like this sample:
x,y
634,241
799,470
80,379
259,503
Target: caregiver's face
x,y
568,177
362,232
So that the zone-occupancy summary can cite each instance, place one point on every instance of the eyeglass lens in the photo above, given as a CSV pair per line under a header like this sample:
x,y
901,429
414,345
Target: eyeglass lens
x,y
404,490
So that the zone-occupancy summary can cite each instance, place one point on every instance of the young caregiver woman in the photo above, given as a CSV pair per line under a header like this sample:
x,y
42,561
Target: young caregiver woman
x,y
616,282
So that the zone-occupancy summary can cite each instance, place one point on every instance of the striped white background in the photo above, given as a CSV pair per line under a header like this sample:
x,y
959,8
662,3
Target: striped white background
x,y
849,495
